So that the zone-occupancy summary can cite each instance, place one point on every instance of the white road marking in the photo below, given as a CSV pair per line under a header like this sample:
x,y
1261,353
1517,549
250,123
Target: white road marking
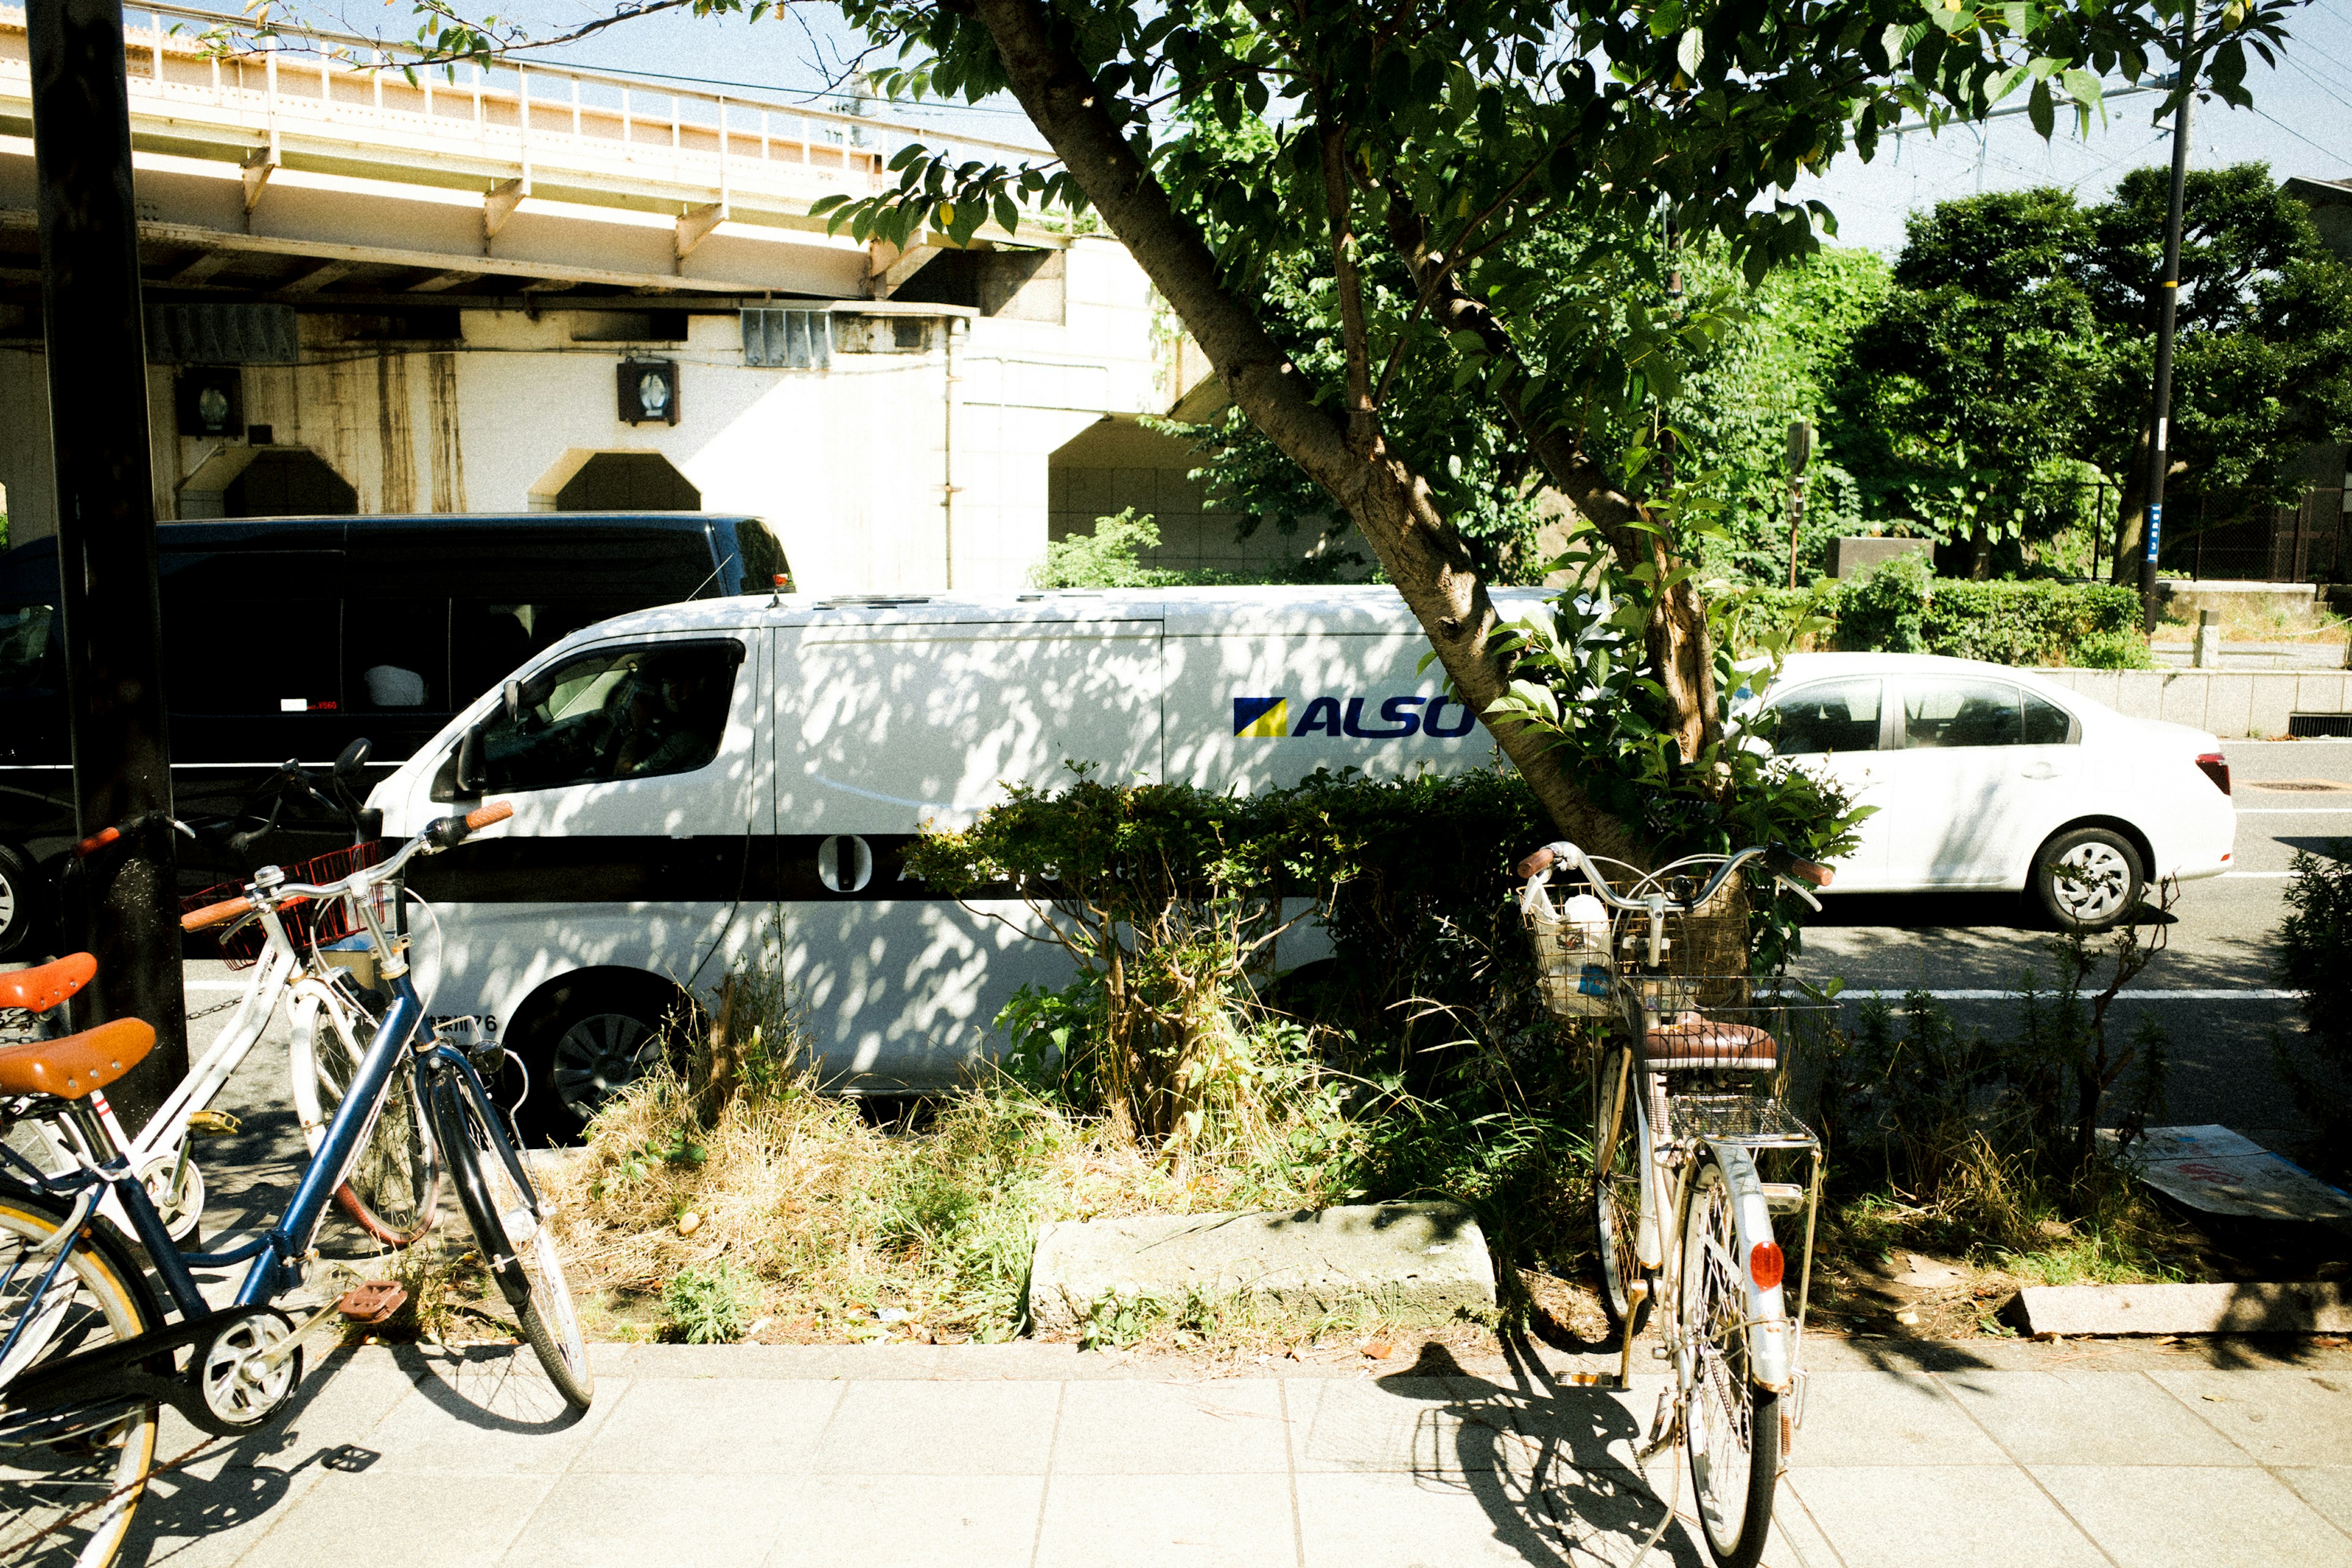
x,y
2185,994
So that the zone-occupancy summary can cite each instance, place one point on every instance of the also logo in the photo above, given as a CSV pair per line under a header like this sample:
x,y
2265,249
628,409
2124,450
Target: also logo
x,y
1268,718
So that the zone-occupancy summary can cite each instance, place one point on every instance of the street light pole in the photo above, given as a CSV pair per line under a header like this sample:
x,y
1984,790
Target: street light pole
x,y
127,911
2168,312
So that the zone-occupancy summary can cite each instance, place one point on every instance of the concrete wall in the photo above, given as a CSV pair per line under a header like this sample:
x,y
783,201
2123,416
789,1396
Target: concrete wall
x,y
1115,463
2233,704
849,465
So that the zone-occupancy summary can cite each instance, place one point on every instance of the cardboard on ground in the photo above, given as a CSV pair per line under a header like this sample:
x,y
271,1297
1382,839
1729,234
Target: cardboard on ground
x,y
2220,1172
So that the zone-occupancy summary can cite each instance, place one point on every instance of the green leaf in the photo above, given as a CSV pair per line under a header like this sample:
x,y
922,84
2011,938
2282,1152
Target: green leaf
x,y
2082,85
1008,215
2041,112
1691,51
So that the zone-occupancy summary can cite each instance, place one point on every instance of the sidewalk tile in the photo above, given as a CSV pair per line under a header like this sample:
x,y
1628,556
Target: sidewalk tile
x,y
710,1427
937,1428
481,1423
2087,1418
1229,1427
1887,1418
2328,1489
1940,1516
1371,1520
941,1521
2279,1417
653,1521
1582,1427
1404,1425
2173,1517
1145,1521
390,1519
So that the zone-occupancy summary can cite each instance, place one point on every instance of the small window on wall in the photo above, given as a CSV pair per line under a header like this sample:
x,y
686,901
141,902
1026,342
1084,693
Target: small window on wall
x,y
652,710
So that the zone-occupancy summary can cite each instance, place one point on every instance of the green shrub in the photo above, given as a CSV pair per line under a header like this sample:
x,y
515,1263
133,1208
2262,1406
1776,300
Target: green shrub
x,y
1112,557
710,1304
1901,607
2309,954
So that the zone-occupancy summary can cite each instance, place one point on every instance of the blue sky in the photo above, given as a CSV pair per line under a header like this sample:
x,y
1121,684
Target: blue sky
x,y
2301,122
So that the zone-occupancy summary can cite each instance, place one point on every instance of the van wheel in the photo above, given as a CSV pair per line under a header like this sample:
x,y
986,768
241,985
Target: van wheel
x,y
588,1040
24,901
2088,879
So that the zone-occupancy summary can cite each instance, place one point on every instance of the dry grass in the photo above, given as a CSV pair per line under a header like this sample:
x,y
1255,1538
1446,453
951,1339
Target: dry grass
x,y
786,1215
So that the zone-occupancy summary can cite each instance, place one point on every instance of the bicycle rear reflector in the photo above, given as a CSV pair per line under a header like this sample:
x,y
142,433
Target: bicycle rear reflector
x,y
1765,1264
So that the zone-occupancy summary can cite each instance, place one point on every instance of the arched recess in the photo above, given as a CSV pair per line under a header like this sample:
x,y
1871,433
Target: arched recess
x,y
588,480
265,482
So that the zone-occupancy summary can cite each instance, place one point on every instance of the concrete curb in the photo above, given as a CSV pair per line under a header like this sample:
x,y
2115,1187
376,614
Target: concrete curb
x,y
2185,1309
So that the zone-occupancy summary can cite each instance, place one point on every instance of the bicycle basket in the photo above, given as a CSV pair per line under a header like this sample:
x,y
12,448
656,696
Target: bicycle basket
x,y
1572,955
307,922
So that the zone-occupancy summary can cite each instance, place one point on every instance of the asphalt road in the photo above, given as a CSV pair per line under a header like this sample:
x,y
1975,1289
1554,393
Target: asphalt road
x,y
2216,939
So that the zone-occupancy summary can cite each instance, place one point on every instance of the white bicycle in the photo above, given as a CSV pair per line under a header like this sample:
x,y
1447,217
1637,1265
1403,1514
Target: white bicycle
x,y
319,966
1687,1107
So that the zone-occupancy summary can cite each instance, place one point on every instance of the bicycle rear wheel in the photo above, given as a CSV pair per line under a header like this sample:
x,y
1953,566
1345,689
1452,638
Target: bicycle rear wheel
x,y
1731,1428
393,1190
509,1224
1617,1195
68,1489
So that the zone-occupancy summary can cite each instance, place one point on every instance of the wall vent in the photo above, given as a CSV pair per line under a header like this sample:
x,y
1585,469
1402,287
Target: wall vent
x,y
222,334
788,340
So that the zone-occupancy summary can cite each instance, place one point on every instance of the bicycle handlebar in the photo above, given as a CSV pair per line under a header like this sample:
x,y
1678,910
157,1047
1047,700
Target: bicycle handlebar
x,y
441,832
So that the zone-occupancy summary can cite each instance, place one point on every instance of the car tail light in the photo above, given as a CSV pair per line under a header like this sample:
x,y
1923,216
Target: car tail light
x,y
1765,1264
2215,766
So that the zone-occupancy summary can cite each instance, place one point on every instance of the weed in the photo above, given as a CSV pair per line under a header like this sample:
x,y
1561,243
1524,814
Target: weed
x,y
710,1303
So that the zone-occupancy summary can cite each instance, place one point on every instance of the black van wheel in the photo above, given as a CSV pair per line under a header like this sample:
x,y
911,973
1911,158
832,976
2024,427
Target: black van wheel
x,y
588,1037
24,901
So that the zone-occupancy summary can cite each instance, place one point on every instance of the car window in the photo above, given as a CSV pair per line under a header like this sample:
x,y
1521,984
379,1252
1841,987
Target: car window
x,y
642,711
1948,712
2046,723
1829,716
397,655
24,643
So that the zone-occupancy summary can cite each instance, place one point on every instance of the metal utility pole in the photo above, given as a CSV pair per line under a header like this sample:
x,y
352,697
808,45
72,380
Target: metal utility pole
x,y
1801,452
2167,311
128,911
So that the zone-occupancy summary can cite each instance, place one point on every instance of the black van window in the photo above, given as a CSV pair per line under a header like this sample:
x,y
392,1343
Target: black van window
x,y
762,558
216,604
397,655
489,639
645,711
25,634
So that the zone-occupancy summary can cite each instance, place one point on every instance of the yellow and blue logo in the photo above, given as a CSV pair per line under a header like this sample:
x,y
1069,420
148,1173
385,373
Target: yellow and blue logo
x,y
1268,718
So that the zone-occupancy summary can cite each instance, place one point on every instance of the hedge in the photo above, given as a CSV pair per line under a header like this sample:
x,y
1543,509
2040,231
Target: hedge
x,y
1900,608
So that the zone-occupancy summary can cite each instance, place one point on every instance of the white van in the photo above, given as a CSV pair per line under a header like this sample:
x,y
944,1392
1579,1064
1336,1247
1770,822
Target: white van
x,y
702,784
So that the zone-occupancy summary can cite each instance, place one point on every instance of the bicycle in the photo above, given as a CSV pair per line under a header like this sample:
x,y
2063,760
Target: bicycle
x,y
392,1191
1687,1103
88,1355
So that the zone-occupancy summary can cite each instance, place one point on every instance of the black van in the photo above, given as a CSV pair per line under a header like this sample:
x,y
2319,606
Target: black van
x,y
290,637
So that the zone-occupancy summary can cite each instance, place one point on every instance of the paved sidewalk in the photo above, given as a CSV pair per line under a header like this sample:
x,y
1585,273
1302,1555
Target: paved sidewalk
x,y
2028,1455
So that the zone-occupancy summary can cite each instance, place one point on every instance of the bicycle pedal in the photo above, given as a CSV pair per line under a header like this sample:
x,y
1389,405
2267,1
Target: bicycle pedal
x,y
371,1302
214,1124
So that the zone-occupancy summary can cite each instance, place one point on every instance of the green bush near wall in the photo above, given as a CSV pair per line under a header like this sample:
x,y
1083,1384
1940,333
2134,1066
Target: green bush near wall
x,y
1901,608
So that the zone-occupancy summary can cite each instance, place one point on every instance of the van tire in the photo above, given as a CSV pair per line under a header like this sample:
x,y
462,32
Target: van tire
x,y
2106,879
586,1035
24,901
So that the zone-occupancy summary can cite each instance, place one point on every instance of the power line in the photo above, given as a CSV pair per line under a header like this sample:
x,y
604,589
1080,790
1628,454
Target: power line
x,y
2326,151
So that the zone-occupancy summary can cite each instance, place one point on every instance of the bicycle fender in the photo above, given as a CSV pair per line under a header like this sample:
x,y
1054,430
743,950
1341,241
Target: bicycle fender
x,y
1771,1350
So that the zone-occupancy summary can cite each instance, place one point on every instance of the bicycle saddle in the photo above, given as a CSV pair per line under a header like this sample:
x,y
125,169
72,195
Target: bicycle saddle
x,y
78,1064
1687,1040
43,987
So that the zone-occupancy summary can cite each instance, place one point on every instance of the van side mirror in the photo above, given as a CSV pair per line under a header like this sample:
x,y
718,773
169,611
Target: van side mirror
x,y
513,694
354,757
473,770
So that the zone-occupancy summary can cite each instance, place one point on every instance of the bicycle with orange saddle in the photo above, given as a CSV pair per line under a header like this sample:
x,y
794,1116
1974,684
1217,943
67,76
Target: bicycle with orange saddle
x,y
88,1355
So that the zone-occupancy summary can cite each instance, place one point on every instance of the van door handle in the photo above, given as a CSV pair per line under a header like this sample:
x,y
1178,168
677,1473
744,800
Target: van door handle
x,y
2039,771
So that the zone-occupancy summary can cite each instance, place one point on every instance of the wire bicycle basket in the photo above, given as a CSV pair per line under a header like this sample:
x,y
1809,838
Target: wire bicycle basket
x,y
309,922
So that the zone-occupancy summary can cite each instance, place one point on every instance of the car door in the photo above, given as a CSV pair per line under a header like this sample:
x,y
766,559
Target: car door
x,y
1981,771
1835,729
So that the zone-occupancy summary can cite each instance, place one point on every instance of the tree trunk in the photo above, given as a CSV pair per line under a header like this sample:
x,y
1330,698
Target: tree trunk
x,y
2131,513
1391,505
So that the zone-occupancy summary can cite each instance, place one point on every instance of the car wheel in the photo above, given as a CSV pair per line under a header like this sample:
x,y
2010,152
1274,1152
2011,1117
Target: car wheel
x,y
24,898
2088,879
587,1042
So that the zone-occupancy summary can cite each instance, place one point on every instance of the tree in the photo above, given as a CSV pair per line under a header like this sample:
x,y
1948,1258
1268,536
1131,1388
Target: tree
x,y
1420,140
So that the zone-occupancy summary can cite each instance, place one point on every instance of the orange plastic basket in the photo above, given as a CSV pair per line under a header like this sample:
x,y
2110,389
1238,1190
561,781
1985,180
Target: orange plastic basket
x,y
308,921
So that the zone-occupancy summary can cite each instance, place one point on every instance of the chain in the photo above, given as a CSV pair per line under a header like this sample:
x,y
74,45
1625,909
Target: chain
x,y
237,1001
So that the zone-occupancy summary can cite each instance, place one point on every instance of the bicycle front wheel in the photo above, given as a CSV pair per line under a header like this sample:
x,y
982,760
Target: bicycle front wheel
x,y
393,1190
1617,1193
1731,1428
67,1487
509,1224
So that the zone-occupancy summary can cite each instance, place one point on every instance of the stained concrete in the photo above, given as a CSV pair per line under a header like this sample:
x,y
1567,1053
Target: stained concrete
x,y
1415,1263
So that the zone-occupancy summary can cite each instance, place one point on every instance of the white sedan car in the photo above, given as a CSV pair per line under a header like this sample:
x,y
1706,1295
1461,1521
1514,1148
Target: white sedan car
x,y
1988,777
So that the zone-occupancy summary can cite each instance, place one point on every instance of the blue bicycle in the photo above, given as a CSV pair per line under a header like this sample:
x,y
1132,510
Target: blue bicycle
x,y
89,1355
